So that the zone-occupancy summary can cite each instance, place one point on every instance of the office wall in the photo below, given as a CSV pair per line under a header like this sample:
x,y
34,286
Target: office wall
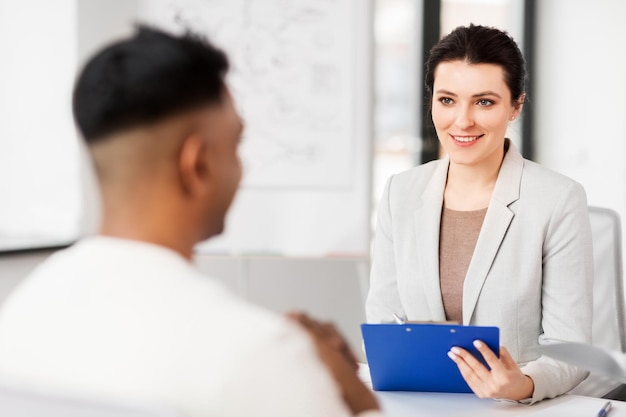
x,y
580,95
39,181
98,25
14,267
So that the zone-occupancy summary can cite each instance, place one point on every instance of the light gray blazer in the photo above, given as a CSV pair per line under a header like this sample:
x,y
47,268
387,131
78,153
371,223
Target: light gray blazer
x,y
531,273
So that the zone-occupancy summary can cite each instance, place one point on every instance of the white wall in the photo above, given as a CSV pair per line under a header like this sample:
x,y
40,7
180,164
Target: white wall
x,y
14,267
39,181
580,95
99,23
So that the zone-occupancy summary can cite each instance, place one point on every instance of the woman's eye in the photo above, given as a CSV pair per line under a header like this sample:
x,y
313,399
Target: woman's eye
x,y
446,100
484,102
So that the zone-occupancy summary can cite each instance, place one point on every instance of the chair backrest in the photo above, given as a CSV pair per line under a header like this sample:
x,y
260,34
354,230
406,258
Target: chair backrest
x,y
19,402
608,296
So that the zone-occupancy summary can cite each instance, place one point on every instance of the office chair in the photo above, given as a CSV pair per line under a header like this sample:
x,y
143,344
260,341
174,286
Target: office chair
x,y
609,317
21,402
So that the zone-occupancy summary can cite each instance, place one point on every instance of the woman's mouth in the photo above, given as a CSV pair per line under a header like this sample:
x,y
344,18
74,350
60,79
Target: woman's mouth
x,y
466,139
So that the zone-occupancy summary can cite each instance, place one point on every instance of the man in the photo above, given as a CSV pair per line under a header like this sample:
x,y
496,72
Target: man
x,y
124,315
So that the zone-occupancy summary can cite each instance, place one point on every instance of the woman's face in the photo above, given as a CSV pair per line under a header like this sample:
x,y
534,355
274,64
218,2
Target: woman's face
x,y
471,110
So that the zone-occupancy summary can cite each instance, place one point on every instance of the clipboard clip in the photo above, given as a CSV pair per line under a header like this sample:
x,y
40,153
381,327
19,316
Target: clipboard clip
x,y
402,320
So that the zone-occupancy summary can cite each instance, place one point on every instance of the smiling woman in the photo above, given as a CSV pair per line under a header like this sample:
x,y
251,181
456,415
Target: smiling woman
x,y
39,156
472,108
483,236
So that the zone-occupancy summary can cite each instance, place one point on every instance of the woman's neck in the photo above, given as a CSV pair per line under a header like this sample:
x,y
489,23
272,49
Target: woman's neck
x,y
469,187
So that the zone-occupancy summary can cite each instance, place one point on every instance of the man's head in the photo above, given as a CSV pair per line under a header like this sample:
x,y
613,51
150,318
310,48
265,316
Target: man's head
x,y
163,133
144,79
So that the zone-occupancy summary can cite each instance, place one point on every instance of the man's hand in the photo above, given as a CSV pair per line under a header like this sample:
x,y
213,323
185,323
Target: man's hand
x,y
341,362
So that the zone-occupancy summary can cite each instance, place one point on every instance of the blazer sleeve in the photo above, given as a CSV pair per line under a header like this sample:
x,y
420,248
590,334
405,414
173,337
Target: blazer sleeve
x,y
383,298
567,292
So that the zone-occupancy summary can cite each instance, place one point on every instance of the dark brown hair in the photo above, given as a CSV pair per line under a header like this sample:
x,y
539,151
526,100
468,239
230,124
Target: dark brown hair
x,y
146,78
480,45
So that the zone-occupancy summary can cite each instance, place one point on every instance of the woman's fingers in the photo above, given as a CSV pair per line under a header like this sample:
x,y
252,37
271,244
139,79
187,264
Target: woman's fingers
x,y
492,360
506,358
473,379
468,360
472,362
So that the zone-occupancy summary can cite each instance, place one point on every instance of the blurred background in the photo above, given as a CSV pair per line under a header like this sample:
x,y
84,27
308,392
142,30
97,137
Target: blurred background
x,y
352,114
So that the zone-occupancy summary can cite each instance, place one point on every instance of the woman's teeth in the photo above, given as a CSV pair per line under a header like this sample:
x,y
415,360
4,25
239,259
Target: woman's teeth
x,y
465,139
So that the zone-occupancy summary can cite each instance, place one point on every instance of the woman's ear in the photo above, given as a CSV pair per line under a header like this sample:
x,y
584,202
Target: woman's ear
x,y
193,166
517,107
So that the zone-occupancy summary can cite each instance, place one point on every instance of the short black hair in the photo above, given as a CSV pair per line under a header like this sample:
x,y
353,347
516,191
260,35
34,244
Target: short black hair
x,y
145,78
478,44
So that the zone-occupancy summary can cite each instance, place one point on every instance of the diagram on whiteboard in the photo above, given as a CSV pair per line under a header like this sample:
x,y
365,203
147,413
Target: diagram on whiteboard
x,y
292,77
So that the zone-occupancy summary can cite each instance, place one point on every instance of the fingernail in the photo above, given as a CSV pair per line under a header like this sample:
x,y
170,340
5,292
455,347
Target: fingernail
x,y
478,344
451,355
455,350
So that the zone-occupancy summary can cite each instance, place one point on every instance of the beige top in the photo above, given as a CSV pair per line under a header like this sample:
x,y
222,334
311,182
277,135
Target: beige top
x,y
457,240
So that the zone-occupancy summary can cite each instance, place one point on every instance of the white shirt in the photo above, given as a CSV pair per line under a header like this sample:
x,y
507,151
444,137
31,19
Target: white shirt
x,y
135,321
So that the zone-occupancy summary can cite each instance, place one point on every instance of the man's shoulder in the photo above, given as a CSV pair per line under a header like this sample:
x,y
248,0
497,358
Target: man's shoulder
x,y
168,298
153,281
187,328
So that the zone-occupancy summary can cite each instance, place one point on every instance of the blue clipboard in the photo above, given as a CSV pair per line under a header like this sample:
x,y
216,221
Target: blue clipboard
x,y
414,357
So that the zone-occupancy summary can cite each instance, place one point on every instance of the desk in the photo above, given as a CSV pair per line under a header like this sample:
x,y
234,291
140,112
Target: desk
x,y
431,404
434,404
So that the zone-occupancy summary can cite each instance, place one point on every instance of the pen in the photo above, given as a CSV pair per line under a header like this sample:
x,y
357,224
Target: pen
x,y
397,319
605,409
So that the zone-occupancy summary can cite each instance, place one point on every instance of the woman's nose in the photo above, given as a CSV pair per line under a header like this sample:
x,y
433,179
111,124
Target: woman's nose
x,y
464,118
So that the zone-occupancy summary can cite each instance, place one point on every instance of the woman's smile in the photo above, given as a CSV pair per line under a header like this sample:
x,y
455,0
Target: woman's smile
x,y
464,140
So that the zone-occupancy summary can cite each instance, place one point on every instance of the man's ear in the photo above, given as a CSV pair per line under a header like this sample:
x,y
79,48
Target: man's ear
x,y
192,164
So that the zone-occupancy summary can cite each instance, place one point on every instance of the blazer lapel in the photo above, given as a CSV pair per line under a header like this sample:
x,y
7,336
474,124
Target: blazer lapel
x,y
427,223
496,223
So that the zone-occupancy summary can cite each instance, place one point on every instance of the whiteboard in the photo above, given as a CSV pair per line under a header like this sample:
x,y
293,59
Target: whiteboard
x,y
40,188
300,75
293,79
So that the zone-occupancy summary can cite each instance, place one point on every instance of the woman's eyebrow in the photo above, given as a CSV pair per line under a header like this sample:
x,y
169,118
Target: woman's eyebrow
x,y
481,94
487,93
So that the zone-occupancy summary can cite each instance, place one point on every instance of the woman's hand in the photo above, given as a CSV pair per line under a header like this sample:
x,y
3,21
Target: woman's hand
x,y
504,381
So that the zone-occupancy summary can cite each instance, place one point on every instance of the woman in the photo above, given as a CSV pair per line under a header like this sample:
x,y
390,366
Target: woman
x,y
483,236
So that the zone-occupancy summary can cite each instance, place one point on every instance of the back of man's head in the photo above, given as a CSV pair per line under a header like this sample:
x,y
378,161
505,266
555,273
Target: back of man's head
x,y
163,135
146,78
